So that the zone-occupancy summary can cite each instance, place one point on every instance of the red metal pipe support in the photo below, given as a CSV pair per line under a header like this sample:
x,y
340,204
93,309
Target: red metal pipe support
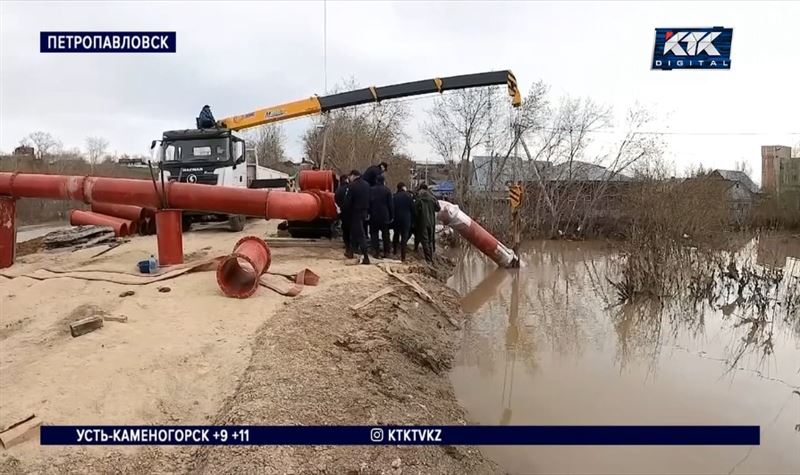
x,y
122,227
473,232
8,230
316,180
238,273
169,236
267,204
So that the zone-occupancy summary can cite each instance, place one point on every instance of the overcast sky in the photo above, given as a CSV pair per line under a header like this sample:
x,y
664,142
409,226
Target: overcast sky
x,y
240,56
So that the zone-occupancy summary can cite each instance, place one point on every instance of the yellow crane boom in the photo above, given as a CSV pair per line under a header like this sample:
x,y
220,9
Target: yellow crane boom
x,y
319,104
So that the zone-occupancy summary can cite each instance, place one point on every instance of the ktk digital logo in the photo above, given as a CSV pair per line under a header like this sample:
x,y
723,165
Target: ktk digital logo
x,y
693,48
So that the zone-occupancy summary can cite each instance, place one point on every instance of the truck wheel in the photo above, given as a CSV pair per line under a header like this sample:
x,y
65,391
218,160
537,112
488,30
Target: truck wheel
x,y
236,223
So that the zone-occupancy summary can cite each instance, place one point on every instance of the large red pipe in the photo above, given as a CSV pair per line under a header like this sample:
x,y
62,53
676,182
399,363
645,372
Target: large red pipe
x,y
269,204
131,212
122,227
316,180
8,231
473,232
238,273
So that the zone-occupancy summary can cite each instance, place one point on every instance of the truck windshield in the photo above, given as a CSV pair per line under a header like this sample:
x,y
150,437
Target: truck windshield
x,y
209,150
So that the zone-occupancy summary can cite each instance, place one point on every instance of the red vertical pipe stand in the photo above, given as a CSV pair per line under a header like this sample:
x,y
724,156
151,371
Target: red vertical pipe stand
x,y
8,230
169,235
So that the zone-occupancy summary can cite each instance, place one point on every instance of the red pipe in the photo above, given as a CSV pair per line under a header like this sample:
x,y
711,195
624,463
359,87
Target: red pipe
x,y
316,180
238,273
8,231
473,232
122,227
269,204
131,212
169,236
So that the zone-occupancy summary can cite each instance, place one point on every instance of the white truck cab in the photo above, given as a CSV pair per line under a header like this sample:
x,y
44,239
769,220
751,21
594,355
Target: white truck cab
x,y
214,156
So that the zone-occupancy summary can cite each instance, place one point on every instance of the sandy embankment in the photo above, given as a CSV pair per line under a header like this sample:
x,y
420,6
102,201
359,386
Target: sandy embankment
x,y
192,356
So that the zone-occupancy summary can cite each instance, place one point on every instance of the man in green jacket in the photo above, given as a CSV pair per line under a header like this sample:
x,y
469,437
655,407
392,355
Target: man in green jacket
x,y
425,208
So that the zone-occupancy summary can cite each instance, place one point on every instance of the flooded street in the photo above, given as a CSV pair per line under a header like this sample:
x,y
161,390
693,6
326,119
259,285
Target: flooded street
x,y
550,345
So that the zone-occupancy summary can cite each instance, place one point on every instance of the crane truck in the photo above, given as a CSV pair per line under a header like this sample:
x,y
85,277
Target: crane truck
x,y
218,156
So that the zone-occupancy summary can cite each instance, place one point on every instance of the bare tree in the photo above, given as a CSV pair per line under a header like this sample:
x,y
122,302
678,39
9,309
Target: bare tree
x,y
357,136
95,148
268,141
457,125
44,143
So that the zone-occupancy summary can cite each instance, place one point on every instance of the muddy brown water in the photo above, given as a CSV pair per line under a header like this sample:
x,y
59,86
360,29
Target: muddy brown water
x,y
547,345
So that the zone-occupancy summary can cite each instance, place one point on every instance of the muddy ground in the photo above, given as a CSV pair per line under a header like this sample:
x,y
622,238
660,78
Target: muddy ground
x,y
193,356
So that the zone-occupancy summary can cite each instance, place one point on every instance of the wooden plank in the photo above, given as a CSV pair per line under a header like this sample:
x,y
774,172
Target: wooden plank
x,y
85,325
20,431
116,318
373,297
421,292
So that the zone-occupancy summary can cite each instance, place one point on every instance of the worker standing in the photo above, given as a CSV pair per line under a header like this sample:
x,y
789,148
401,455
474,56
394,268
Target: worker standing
x,y
381,215
344,213
357,204
372,173
425,213
403,217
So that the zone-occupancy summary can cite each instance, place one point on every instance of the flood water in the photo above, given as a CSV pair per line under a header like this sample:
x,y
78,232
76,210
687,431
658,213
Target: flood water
x,y
549,345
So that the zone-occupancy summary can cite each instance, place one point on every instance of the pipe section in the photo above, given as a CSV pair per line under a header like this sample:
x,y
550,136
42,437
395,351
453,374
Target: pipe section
x,y
122,227
169,236
8,231
473,232
269,204
131,212
316,180
238,273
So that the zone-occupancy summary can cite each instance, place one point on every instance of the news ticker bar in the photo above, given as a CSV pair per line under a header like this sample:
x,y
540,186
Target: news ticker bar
x,y
400,435
107,42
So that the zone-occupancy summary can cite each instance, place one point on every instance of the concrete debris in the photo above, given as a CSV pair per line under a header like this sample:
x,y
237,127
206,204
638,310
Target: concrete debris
x,y
78,237
85,325
19,431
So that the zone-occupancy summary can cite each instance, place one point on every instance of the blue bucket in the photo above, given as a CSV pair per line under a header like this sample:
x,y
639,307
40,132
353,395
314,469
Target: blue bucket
x,y
144,266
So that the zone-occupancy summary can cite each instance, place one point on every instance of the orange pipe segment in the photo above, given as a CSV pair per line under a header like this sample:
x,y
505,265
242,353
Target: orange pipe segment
x,y
122,227
238,273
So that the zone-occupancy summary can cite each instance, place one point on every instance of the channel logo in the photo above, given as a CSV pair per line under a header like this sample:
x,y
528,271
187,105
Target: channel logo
x,y
376,434
692,48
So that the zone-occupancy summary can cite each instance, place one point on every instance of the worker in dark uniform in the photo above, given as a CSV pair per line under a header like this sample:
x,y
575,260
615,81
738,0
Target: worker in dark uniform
x,y
425,219
357,203
372,173
403,217
344,213
381,215
206,119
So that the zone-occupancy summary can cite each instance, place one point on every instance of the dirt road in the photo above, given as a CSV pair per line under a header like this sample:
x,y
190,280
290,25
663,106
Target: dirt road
x,y
192,356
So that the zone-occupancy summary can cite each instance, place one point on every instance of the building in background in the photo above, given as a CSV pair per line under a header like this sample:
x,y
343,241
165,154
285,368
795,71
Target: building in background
x,y
739,193
780,172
